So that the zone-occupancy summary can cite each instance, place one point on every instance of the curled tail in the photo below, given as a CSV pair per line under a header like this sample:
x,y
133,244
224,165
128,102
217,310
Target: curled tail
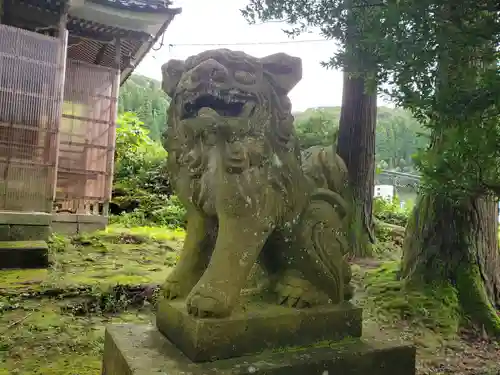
x,y
323,239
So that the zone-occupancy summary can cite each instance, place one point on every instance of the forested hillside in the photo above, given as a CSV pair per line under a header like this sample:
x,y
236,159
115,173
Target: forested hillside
x,y
398,133
144,97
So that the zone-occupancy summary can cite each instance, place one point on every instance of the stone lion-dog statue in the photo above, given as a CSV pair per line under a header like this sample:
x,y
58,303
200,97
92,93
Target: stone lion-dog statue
x,y
250,195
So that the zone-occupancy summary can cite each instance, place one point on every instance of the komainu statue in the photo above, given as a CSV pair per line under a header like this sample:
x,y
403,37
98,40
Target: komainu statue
x,y
250,195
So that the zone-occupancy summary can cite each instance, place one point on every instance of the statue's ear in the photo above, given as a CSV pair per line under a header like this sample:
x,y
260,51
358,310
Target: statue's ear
x,y
285,70
171,74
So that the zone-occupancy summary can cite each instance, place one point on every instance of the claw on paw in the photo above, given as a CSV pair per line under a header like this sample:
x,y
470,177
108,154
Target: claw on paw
x,y
170,290
203,304
296,292
173,288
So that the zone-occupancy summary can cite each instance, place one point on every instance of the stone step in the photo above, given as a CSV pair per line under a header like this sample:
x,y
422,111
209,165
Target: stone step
x,y
24,254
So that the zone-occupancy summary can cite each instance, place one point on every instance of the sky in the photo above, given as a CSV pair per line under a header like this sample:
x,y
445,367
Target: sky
x,y
213,24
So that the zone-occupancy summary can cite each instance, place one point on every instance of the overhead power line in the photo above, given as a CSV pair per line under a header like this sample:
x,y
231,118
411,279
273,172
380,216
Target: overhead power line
x,y
247,43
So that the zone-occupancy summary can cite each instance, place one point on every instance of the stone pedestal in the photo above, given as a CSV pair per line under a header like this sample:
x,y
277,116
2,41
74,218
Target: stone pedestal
x,y
23,237
260,339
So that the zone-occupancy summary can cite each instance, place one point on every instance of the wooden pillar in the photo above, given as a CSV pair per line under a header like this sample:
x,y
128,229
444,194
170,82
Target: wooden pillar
x,y
112,130
53,136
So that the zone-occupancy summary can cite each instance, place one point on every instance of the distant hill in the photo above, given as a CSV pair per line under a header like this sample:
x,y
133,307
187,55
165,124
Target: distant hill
x,y
144,96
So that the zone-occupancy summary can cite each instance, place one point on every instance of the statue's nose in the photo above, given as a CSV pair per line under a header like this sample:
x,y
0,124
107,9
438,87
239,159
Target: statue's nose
x,y
210,70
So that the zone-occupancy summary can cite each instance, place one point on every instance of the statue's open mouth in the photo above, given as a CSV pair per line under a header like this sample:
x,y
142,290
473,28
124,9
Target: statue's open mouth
x,y
227,103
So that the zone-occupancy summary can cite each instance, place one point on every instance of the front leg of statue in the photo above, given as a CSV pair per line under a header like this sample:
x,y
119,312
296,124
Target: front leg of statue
x,y
239,243
193,259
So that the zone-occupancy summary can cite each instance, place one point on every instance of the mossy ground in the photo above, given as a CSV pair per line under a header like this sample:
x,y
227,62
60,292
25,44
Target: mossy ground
x,y
114,256
430,318
52,321
61,331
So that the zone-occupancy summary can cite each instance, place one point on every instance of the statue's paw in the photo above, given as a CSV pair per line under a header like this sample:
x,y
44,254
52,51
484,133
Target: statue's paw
x,y
171,289
205,302
296,292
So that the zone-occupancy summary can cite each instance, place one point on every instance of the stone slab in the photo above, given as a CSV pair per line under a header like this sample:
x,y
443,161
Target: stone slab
x,y
143,350
25,218
24,254
255,327
79,218
65,227
21,232
90,227
66,218
93,219
76,224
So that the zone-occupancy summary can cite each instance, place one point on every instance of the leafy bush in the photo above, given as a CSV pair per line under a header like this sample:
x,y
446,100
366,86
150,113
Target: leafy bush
x,y
391,211
139,161
142,194
157,212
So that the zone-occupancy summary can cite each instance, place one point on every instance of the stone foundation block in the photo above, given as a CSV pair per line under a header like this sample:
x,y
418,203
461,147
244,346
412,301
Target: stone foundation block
x,y
23,254
254,328
143,350
23,226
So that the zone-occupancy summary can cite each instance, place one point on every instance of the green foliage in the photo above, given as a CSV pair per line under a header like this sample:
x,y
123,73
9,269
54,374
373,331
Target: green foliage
x,y
139,161
391,211
131,141
153,210
146,99
142,192
398,135
317,126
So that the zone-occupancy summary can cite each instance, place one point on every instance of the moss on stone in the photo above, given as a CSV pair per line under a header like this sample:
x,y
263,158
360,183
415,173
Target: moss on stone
x,y
338,345
23,244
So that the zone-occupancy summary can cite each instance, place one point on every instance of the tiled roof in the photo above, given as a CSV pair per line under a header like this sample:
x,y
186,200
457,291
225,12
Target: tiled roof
x,y
97,31
138,5
49,5
150,6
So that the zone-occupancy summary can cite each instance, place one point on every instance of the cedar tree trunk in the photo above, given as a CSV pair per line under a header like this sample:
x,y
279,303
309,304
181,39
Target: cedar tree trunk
x,y
356,146
457,244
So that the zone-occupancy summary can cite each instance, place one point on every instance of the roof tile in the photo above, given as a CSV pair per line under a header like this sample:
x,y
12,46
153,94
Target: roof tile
x,y
138,5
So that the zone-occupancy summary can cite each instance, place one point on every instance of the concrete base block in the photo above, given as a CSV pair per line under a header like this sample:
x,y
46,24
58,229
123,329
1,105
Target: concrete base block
x,y
143,350
23,254
254,328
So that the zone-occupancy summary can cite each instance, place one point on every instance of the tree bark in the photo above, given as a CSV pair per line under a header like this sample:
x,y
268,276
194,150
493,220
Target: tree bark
x,y
356,146
457,244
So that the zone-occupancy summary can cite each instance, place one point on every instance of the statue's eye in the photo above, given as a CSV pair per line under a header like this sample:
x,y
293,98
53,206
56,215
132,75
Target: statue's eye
x,y
245,77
